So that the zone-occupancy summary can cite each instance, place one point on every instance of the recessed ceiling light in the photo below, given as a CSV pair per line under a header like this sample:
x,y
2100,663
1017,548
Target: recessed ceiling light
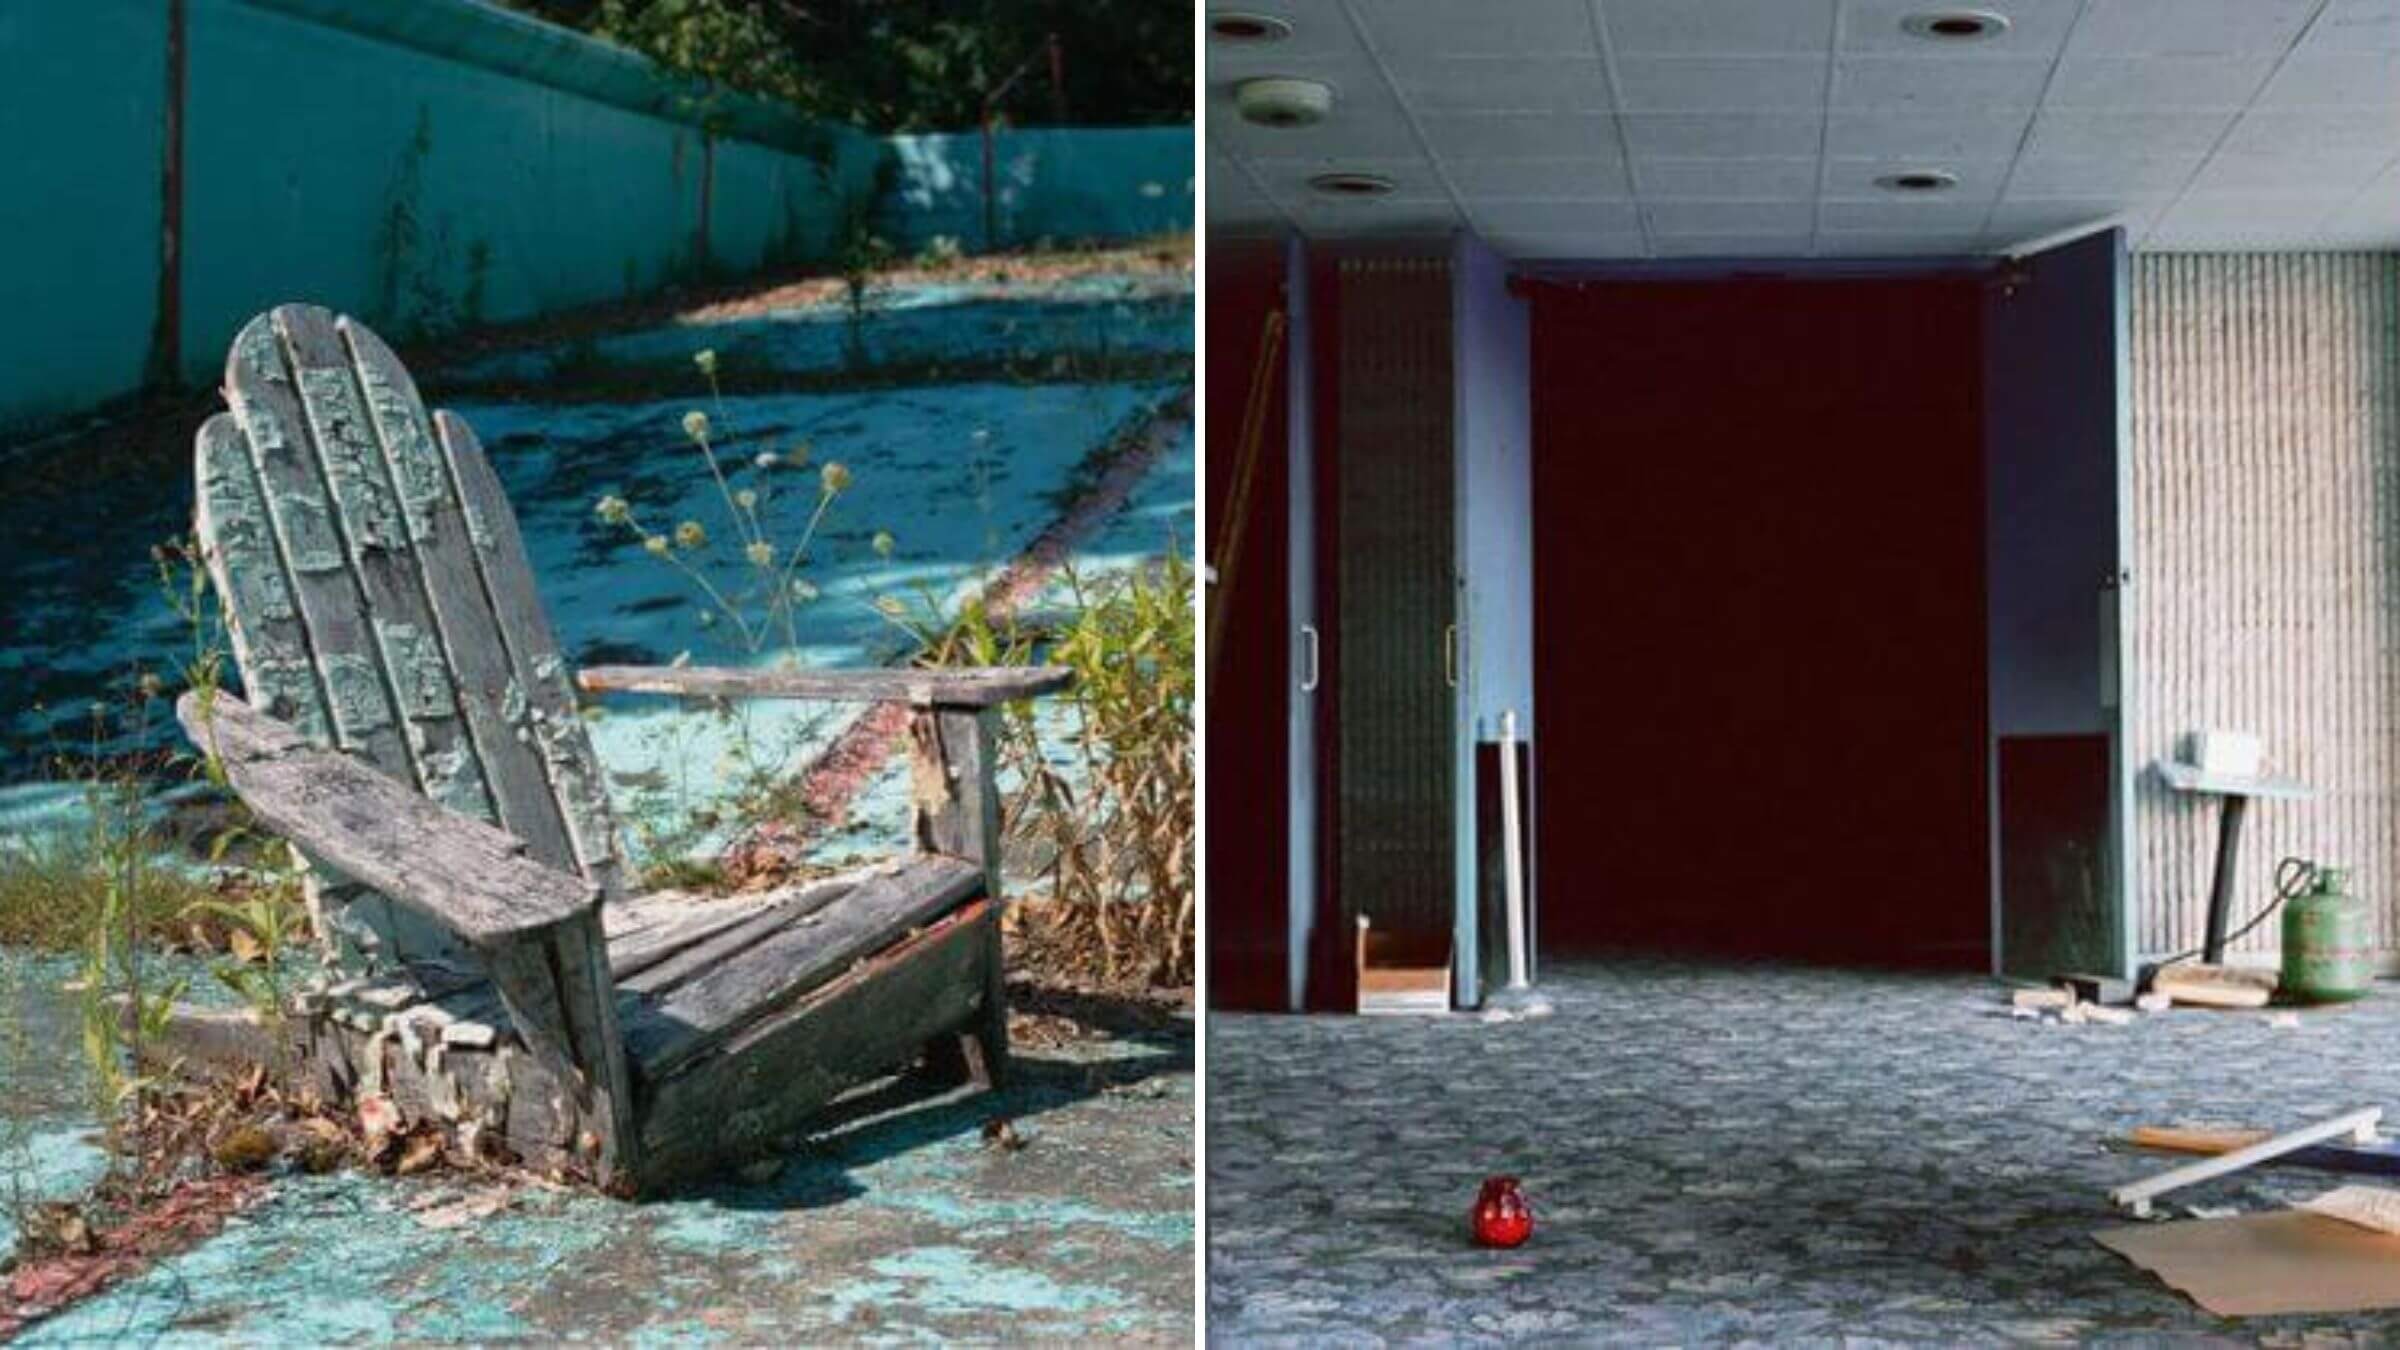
x,y
1918,180
1352,184
1233,25
1956,25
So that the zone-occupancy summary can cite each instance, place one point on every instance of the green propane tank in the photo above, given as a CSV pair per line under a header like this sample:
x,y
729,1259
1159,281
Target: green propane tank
x,y
2328,935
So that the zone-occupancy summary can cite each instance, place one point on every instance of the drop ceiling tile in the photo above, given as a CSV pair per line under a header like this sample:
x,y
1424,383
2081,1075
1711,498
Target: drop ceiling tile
x,y
1720,83
1556,217
2331,173
2303,131
2341,237
2083,131
1520,135
1930,135
1445,84
1724,135
1348,63
2018,219
1899,243
1374,219
2100,175
1286,180
1559,247
1668,217
1718,27
2188,27
1517,28
1951,85
2244,229
1782,244
2354,26
1899,216
1854,179
1534,180
2335,79
1727,179
2036,28
2157,82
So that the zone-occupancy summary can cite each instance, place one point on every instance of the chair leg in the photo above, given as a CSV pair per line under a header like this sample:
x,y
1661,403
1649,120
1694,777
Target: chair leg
x,y
977,1051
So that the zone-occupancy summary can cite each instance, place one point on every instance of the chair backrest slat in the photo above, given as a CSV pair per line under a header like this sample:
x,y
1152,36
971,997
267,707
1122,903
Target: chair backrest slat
x,y
378,598
543,685
474,646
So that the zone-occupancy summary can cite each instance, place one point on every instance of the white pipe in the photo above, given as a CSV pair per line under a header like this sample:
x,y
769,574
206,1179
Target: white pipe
x,y
2135,1199
1512,846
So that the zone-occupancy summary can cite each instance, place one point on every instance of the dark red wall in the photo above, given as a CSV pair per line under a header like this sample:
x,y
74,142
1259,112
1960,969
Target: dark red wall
x,y
1759,623
1247,711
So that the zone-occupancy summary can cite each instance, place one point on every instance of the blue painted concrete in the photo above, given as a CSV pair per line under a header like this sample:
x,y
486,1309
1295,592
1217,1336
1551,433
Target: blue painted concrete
x,y
894,1222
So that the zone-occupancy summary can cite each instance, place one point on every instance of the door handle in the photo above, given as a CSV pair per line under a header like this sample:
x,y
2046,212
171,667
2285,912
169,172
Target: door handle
x,y
1450,655
1308,682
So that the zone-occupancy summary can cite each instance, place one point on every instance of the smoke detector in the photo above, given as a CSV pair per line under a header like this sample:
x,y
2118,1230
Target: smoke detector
x,y
1283,101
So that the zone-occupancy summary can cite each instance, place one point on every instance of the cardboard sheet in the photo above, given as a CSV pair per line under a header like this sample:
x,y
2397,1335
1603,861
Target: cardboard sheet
x,y
2371,1207
2290,1261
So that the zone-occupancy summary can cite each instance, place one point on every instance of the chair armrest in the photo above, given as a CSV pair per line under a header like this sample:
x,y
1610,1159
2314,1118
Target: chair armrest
x,y
979,688
466,875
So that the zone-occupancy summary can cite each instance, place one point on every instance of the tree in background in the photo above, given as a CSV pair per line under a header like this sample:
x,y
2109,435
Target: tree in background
x,y
915,65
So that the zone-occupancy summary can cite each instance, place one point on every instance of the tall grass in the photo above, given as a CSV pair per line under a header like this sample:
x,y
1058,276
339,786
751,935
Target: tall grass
x,y
1111,814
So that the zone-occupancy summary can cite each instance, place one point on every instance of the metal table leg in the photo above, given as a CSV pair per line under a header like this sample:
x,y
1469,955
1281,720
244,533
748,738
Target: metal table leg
x,y
2220,890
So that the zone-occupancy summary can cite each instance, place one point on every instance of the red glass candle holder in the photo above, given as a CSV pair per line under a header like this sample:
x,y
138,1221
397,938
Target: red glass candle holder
x,y
1501,1217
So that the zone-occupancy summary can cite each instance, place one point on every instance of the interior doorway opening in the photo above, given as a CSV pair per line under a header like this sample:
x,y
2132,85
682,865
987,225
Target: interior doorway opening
x,y
1760,642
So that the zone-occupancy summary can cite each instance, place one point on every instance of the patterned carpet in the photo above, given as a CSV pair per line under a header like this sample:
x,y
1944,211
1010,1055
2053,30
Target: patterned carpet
x,y
1745,1153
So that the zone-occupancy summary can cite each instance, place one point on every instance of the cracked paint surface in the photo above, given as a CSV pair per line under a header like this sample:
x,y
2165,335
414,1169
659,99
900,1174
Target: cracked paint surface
x,y
897,1223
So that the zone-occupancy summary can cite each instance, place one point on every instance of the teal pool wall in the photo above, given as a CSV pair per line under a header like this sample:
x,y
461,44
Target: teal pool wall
x,y
1063,185
437,164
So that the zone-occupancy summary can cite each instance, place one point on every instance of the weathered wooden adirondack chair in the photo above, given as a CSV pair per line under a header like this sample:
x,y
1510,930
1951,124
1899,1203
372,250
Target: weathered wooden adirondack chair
x,y
408,723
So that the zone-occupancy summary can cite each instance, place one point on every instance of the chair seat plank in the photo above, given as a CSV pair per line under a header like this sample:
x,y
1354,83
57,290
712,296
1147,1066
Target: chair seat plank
x,y
788,963
473,645
705,925
655,968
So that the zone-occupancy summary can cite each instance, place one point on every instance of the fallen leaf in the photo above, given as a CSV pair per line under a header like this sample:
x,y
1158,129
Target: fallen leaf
x,y
422,1151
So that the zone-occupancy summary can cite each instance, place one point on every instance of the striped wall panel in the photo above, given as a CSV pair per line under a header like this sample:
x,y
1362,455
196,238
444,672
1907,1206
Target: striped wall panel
x,y
2266,481
1393,521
